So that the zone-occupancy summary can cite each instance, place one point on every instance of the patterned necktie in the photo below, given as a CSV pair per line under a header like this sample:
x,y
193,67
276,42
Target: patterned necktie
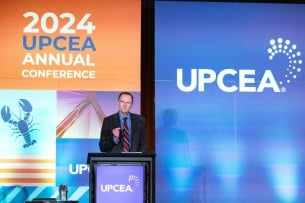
x,y
125,136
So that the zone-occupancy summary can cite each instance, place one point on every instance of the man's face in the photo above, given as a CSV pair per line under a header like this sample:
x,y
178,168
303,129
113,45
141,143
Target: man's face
x,y
125,103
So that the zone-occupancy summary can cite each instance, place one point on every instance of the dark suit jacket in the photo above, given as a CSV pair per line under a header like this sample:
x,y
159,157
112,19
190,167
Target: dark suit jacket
x,y
138,134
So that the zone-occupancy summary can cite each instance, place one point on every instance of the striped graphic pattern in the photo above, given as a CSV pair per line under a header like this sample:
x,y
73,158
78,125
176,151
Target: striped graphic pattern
x,y
19,194
27,171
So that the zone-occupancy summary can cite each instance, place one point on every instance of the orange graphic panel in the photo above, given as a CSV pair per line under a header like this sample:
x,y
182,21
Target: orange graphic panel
x,y
70,45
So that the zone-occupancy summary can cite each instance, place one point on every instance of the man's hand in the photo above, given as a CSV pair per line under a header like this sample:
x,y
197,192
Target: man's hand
x,y
116,132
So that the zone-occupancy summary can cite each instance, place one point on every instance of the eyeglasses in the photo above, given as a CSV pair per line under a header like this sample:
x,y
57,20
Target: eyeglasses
x,y
125,102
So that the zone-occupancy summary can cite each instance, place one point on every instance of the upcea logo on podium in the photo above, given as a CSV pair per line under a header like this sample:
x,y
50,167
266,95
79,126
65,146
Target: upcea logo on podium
x,y
247,77
119,183
133,181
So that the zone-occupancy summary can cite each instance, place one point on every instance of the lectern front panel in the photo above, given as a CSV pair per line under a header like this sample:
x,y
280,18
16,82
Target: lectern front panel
x,y
119,183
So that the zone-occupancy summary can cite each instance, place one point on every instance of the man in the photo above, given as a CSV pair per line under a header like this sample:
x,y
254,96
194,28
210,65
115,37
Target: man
x,y
123,131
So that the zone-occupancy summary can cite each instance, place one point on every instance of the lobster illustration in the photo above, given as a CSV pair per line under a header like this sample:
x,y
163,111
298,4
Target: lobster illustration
x,y
21,125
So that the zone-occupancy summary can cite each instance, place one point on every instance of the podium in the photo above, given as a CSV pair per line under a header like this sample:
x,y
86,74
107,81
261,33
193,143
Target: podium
x,y
121,177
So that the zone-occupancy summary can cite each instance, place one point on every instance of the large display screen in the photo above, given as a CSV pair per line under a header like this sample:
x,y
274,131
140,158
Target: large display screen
x,y
229,88
120,183
63,64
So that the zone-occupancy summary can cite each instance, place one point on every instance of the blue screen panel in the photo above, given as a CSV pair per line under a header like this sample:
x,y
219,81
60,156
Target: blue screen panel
x,y
229,98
